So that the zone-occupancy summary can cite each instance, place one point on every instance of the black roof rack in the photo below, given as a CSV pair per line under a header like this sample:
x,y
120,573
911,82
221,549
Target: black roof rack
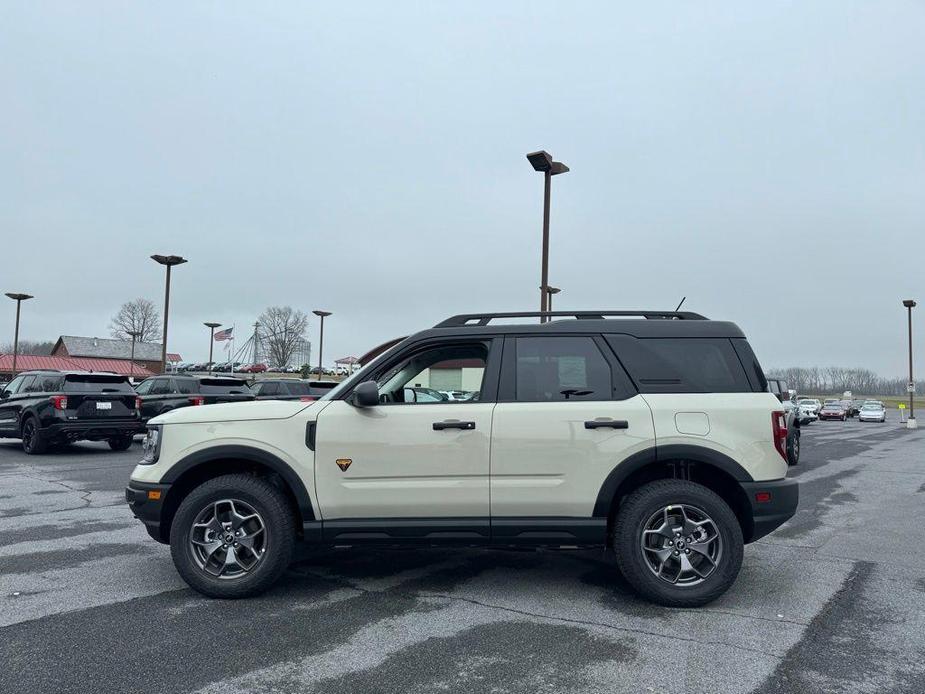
x,y
478,319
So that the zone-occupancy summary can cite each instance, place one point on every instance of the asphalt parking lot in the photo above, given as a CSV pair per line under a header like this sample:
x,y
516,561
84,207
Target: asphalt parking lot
x,y
832,602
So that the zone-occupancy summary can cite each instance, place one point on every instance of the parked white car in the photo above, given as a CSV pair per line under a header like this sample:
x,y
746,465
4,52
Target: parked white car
x,y
872,412
810,402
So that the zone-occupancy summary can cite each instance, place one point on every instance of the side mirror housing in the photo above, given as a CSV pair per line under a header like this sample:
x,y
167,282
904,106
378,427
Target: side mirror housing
x,y
4,394
366,394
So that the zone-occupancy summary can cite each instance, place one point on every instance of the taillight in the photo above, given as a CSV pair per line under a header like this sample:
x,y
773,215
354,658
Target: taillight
x,y
137,402
197,400
779,432
307,398
59,401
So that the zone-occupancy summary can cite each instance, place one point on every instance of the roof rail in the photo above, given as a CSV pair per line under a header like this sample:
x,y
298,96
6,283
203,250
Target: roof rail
x,y
480,319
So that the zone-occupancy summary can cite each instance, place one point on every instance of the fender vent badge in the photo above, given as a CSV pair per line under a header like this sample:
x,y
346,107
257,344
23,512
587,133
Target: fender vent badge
x,y
344,463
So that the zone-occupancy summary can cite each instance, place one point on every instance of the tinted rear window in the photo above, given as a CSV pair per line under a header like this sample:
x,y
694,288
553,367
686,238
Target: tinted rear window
x,y
223,386
319,388
297,388
96,383
681,365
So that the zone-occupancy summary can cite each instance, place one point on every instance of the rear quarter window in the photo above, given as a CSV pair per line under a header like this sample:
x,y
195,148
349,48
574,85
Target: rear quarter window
x,y
681,365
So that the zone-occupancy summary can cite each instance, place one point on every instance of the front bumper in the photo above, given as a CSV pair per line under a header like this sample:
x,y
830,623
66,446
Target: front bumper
x,y
782,496
147,503
93,429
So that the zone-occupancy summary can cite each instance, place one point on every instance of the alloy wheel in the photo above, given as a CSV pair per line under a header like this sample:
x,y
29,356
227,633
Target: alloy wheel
x,y
28,435
228,539
681,544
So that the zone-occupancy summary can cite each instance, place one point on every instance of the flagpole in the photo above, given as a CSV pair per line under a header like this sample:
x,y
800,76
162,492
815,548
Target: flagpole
x,y
232,348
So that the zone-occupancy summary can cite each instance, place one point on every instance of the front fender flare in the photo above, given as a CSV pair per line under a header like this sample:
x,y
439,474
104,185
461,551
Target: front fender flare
x,y
250,454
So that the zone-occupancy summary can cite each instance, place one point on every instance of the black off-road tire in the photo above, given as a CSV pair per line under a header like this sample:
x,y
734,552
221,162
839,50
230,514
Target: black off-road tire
x,y
32,441
632,515
793,448
279,522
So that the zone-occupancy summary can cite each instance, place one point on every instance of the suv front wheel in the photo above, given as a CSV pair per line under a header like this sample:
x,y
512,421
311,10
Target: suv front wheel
x,y
678,543
233,536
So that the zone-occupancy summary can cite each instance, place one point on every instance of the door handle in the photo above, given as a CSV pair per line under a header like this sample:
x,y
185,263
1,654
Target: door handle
x,y
604,423
453,424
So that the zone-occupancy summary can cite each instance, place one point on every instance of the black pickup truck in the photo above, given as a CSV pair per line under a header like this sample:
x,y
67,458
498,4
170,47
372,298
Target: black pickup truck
x,y
160,394
46,408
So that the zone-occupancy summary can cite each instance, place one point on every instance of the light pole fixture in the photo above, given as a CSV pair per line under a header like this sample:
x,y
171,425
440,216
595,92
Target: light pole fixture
x,y
211,327
910,423
169,261
321,315
542,161
550,291
18,298
131,360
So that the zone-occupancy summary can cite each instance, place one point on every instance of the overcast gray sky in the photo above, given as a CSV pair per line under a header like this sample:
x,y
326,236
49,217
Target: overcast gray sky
x,y
764,159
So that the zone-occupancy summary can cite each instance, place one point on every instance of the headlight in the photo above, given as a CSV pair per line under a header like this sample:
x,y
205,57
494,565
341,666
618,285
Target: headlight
x,y
151,446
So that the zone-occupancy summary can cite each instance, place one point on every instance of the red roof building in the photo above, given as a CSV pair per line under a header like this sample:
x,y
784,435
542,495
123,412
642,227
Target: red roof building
x,y
27,362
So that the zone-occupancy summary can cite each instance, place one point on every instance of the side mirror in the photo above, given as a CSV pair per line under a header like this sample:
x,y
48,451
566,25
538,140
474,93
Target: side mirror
x,y
366,394
4,394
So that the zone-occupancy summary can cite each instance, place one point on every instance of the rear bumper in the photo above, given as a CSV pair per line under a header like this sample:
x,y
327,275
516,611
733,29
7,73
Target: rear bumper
x,y
767,516
140,497
93,429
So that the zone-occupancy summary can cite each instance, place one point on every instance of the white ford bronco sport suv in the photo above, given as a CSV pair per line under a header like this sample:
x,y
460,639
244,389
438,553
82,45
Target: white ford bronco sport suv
x,y
651,433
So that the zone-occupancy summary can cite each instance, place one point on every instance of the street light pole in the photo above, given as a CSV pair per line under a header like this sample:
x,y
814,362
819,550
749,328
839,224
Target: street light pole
x,y
131,368
168,261
550,291
321,315
18,298
911,423
542,161
211,327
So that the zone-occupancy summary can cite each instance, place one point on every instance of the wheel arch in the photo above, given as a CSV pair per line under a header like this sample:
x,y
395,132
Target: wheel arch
x,y
198,467
714,470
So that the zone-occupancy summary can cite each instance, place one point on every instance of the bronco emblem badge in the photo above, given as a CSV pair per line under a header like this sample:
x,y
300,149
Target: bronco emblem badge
x,y
344,463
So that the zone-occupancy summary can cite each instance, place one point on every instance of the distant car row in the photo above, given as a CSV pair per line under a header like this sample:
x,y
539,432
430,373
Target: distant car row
x,y
244,367
46,409
864,410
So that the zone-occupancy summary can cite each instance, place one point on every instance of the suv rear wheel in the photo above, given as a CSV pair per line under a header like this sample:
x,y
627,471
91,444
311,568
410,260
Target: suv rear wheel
x,y
678,543
233,536
121,443
32,441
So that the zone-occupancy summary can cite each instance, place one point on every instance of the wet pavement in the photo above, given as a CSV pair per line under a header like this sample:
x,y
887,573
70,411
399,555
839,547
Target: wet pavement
x,y
832,602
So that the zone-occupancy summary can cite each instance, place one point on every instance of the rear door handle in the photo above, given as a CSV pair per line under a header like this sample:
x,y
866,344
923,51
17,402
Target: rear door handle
x,y
453,424
604,423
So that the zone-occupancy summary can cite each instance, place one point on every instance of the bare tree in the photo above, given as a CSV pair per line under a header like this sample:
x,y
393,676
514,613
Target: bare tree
x,y
138,316
281,331
29,347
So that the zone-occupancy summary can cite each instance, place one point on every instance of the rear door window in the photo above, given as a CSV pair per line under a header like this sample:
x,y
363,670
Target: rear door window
x,y
268,389
552,369
96,383
187,386
681,365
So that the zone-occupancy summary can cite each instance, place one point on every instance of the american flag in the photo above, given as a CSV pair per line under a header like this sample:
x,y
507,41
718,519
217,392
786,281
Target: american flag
x,y
223,334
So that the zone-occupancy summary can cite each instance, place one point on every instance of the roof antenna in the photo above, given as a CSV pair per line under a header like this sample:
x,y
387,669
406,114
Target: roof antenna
x,y
682,301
